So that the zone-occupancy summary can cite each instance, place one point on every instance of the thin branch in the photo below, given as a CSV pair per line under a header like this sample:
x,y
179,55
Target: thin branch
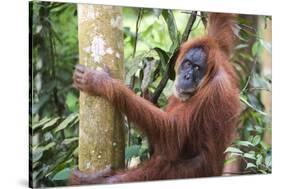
x,y
189,25
173,58
248,27
251,106
204,18
259,88
165,78
197,25
133,78
251,73
137,31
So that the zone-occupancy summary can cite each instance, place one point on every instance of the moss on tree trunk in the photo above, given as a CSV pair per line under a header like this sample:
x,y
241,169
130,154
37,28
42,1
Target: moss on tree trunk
x,y
101,133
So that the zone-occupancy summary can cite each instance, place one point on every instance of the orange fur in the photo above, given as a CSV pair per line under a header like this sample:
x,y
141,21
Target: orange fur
x,y
190,137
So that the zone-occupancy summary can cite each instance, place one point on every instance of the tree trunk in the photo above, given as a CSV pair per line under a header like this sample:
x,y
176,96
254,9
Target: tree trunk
x,y
266,58
101,133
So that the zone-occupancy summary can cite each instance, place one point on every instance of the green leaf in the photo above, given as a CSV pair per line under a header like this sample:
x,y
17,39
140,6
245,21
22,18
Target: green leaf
x,y
241,34
36,155
268,161
157,12
246,57
143,150
232,154
75,152
134,66
262,171
51,123
172,28
66,122
48,146
171,23
256,48
37,106
266,45
252,152
71,101
251,106
259,129
48,136
56,35
244,143
259,159
132,151
264,145
256,140
164,58
250,165
36,173
62,164
241,46
40,123
260,82
69,140
62,175
233,150
37,152
146,33
250,156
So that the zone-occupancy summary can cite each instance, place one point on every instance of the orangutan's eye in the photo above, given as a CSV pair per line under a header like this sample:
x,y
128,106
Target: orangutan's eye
x,y
186,64
196,68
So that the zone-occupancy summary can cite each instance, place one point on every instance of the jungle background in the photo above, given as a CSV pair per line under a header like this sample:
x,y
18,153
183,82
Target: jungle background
x,y
151,40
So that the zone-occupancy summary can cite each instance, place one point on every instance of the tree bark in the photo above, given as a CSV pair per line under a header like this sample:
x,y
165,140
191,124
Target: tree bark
x,y
101,132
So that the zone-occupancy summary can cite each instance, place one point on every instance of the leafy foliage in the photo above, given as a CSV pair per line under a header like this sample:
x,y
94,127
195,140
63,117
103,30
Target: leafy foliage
x,y
253,147
151,38
54,104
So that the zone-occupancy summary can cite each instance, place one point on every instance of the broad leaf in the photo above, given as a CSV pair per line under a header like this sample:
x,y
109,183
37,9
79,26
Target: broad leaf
x,y
51,123
66,122
244,143
233,150
69,140
249,156
256,140
62,175
250,165
132,151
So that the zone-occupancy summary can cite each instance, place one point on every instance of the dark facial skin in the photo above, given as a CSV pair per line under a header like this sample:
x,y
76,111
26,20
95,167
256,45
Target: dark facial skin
x,y
191,71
